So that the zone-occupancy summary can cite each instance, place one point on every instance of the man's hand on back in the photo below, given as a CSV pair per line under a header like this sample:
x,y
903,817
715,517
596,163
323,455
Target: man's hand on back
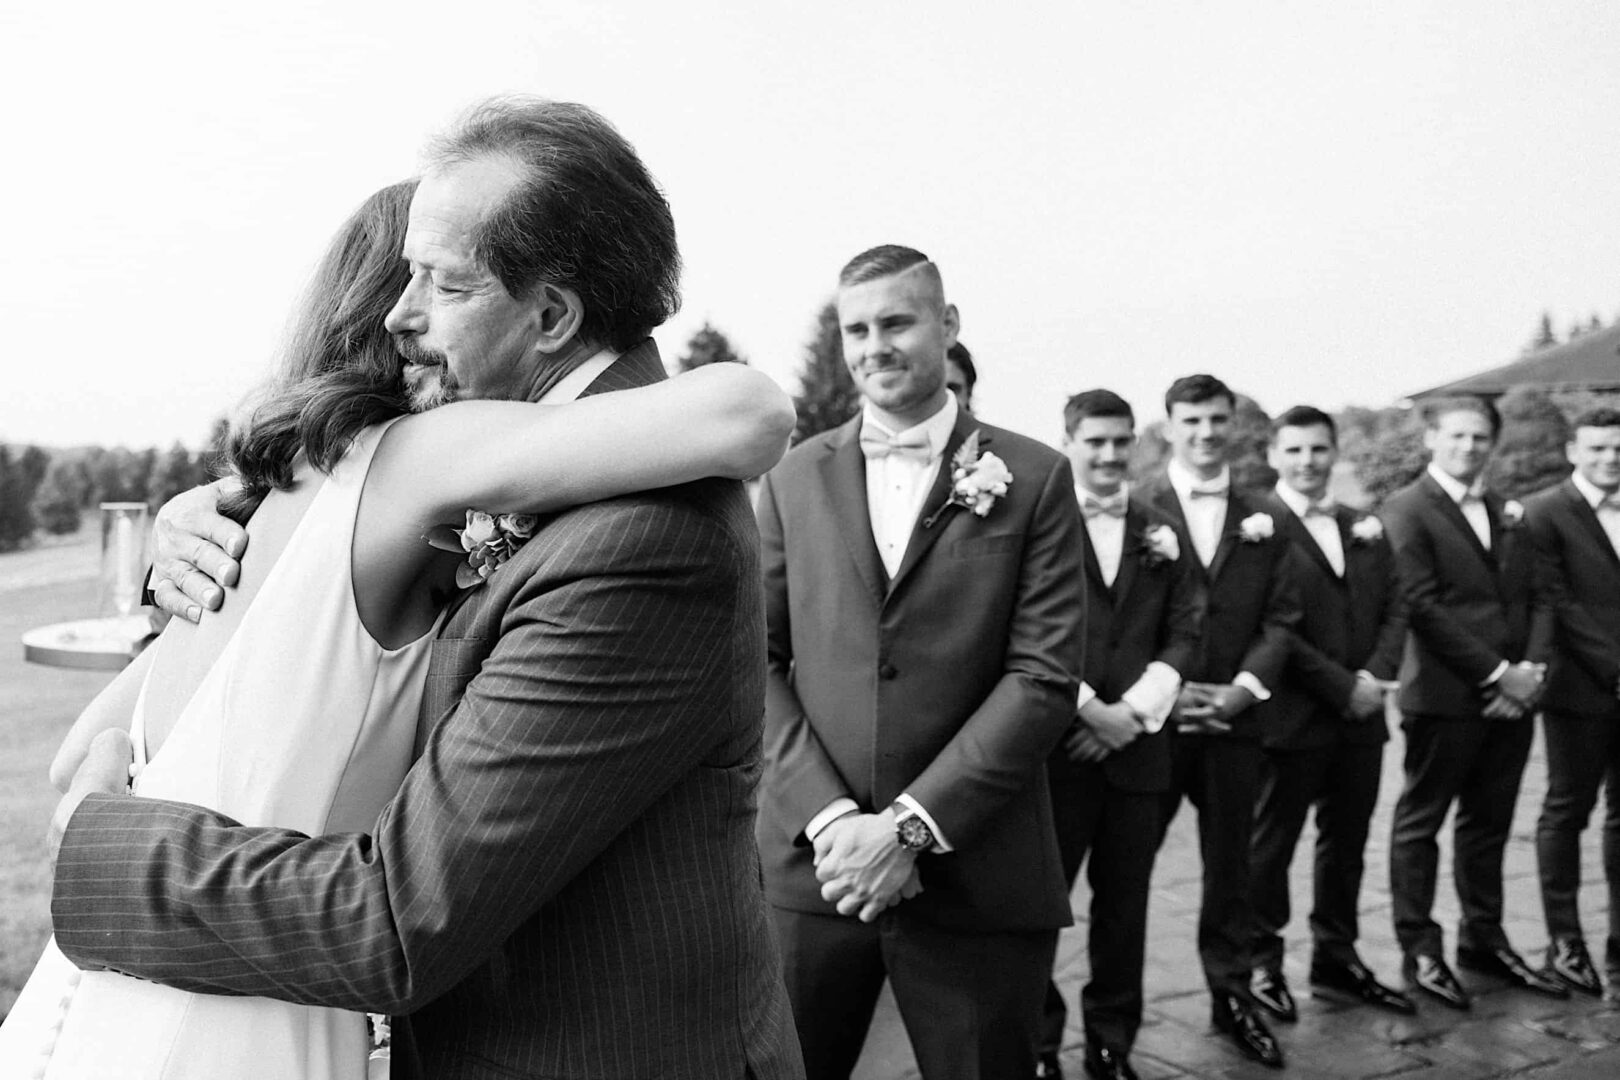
x,y
194,551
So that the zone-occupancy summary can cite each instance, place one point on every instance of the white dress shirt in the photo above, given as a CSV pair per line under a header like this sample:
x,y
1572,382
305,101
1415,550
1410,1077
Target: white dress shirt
x,y
1603,504
1470,499
1153,694
1322,525
573,384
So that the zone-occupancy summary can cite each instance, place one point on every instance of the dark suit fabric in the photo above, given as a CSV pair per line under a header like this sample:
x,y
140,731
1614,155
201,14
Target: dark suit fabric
x,y
566,884
1467,610
1578,579
1251,608
952,683
1315,755
1109,810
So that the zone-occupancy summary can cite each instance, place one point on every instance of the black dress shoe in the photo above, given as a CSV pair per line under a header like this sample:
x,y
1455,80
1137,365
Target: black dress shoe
x,y
1354,979
1430,974
1506,964
1568,960
1235,1017
1270,989
1047,1067
1105,1064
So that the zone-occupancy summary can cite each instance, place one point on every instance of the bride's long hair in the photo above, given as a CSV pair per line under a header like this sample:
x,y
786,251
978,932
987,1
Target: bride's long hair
x,y
339,373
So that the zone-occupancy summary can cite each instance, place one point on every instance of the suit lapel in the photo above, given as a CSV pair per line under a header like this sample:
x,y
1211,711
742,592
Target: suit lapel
x,y
1131,551
843,473
1300,535
640,366
1583,512
1094,568
1159,494
1453,513
932,522
1229,533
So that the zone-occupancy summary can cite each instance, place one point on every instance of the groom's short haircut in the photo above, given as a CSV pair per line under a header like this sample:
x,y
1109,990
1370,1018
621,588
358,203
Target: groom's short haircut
x,y
1434,411
1598,416
1306,416
887,260
1091,403
585,216
1197,389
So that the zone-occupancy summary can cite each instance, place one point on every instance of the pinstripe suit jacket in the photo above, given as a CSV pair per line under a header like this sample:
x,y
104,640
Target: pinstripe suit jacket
x,y
566,884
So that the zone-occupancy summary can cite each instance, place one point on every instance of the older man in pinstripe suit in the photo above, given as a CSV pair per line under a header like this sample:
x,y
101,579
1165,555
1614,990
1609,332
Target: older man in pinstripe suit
x,y
566,884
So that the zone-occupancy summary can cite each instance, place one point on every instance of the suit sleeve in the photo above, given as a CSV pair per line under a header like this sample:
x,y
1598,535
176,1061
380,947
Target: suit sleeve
x,y
1327,680
1183,627
1268,653
1585,640
600,694
799,773
1000,747
1417,568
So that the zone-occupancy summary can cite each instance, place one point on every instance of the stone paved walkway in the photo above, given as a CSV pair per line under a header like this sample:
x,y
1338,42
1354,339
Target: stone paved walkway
x,y
1508,1033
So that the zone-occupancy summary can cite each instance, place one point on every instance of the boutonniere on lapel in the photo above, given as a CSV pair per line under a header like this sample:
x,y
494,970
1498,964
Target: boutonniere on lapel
x,y
1366,531
1512,514
1159,546
488,541
1256,527
977,480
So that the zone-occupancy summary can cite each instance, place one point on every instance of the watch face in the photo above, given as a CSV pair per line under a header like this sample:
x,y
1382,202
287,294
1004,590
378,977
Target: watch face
x,y
915,834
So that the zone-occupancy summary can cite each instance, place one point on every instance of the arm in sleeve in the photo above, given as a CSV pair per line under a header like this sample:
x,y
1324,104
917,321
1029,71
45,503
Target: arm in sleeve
x,y
1417,568
1557,613
1268,653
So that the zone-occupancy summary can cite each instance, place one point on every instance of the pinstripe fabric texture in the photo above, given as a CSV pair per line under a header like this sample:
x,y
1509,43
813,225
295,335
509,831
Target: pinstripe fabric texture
x,y
567,883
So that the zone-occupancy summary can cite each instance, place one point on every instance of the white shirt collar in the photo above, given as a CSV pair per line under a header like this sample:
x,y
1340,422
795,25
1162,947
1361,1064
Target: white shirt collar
x,y
1589,491
936,429
1085,494
1296,501
1183,481
1456,489
573,384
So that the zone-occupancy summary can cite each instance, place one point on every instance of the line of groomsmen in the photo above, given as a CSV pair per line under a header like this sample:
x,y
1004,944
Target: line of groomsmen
x,y
992,664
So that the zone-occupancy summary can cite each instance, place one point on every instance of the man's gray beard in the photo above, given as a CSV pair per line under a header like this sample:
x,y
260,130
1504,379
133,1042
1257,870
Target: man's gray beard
x,y
432,392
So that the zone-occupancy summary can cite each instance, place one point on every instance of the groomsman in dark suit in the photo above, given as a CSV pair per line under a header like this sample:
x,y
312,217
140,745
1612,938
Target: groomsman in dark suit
x,y
924,611
1470,678
1324,727
1239,562
1109,775
1576,529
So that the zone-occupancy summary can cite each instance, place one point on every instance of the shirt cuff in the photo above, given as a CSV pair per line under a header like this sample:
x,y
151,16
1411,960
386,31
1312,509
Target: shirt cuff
x,y
941,845
831,813
1490,680
1252,685
1087,695
1153,695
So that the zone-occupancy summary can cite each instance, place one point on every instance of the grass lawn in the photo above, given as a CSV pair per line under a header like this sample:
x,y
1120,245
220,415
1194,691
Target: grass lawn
x,y
40,704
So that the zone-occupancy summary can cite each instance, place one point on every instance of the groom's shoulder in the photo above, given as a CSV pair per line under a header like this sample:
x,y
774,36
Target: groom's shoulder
x,y
706,520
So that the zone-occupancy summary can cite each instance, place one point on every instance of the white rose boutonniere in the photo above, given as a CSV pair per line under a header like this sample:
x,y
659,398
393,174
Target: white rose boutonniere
x,y
488,541
1367,530
1512,514
1159,546
977,481
1257,527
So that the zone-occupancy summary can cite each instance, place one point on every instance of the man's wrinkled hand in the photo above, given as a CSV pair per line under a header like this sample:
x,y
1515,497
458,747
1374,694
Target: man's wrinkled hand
x,y
1115,726
195,551
105,769
862,868
1081,744
1366,700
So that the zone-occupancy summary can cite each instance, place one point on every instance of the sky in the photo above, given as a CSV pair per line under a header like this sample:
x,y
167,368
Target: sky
x,y
1334,203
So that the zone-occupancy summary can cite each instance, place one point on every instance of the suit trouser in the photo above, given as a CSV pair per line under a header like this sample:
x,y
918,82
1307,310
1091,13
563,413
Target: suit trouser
x,y
1478,764
1341,782
1219,775
1581,752
1120,831
971,1003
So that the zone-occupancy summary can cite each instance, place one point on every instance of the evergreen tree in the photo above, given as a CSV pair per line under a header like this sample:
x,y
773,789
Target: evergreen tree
x,y
707,346
1530,452
1544,335
174,472
60,499
827,395
16,509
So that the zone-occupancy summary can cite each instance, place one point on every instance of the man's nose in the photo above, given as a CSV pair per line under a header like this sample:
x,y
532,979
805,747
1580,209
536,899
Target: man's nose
x,y
407,315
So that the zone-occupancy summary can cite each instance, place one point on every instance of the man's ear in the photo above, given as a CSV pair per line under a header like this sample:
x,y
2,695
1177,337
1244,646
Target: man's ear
x,y
953,324
558,313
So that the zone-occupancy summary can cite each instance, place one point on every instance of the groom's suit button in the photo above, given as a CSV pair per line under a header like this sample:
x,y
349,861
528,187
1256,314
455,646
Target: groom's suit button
x,y
887,671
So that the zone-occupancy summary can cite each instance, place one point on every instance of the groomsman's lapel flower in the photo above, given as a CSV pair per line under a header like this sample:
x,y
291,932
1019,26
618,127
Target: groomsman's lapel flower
x,y
1367,530
1512,514
1256,527
488,539
1159,546
977,480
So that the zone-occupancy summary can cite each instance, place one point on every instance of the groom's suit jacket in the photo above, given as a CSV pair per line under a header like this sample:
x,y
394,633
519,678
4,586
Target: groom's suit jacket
x,y
1579,584
949,683
566,884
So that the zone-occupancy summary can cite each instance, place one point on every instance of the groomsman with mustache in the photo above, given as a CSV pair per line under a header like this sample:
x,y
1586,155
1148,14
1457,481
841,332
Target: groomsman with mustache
x,y
1251,608
1576,529
1325,730
1110,773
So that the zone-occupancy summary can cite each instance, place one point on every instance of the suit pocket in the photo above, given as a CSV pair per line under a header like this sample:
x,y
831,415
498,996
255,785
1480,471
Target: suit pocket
x,y
978,547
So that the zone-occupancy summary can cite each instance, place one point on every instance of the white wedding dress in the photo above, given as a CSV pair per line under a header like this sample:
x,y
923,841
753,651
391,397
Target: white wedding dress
x,y
304,722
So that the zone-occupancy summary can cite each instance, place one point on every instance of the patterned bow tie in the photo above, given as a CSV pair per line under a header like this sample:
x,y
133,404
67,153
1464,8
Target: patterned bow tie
x,y
877,445
1106,506
1209,491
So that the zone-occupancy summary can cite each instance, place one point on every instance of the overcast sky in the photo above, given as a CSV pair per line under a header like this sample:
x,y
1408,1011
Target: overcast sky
x,y
1339,203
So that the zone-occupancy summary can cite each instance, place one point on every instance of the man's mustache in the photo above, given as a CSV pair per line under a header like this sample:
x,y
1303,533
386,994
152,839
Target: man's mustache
x,y
413,353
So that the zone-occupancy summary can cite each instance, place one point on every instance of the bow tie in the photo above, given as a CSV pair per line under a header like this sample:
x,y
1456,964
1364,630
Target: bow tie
x,y
1324,508
1609,502
877,445
1208,491
1106,506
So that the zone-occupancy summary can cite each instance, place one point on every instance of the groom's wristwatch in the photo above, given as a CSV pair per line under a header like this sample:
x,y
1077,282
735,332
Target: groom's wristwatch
x,y
911,830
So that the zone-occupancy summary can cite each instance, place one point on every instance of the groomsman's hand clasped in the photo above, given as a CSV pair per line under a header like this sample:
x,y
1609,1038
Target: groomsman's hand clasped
x,y
862,867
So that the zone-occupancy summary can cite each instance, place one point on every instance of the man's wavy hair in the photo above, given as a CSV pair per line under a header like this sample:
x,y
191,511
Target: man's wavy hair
x,y
586,214
339,372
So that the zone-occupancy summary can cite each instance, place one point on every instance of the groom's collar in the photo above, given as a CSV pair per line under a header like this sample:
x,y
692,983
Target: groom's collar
x,y
570,386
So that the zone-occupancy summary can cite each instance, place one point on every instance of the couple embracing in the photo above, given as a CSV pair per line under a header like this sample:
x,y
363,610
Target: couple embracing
x,y
512,807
